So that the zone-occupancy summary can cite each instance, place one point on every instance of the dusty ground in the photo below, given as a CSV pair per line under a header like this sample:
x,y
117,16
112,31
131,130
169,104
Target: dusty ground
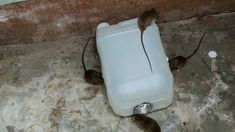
x,y
35,77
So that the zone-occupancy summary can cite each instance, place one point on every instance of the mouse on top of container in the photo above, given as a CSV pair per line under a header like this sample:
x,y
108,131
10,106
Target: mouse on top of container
x,y
178,62
91,76
146,123
145,20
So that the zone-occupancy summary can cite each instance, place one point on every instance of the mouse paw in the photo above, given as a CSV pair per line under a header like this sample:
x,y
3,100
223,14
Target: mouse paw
x,y
178,70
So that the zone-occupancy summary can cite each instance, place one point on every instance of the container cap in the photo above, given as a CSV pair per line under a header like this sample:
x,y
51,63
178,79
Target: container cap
x,y
212,54
143,108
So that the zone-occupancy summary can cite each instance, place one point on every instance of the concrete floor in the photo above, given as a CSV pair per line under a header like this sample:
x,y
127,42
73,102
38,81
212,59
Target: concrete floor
x,y
34,77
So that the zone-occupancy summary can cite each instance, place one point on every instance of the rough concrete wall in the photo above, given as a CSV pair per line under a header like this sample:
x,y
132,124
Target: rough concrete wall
x,y
38,20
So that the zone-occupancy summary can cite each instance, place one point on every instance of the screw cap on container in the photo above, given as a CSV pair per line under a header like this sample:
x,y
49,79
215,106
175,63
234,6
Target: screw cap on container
x,y
143,108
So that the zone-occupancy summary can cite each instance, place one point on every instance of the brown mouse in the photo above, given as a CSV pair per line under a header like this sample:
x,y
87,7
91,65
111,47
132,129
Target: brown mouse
x,y
178,62
145,20
146,123
91,76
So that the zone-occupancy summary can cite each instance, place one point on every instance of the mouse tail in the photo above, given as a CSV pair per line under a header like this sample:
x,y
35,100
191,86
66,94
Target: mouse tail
x,y
146,123
195,51
141,37
83,53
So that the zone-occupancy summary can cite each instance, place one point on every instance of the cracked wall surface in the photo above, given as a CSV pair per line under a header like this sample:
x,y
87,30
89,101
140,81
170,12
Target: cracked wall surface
x,y
43,20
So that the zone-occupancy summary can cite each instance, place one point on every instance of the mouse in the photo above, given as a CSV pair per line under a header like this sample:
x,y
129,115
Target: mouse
x,y
91,76
145,20
178,62
146,123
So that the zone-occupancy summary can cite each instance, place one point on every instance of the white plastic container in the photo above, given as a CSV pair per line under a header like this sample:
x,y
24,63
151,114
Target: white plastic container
x,y
125,68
